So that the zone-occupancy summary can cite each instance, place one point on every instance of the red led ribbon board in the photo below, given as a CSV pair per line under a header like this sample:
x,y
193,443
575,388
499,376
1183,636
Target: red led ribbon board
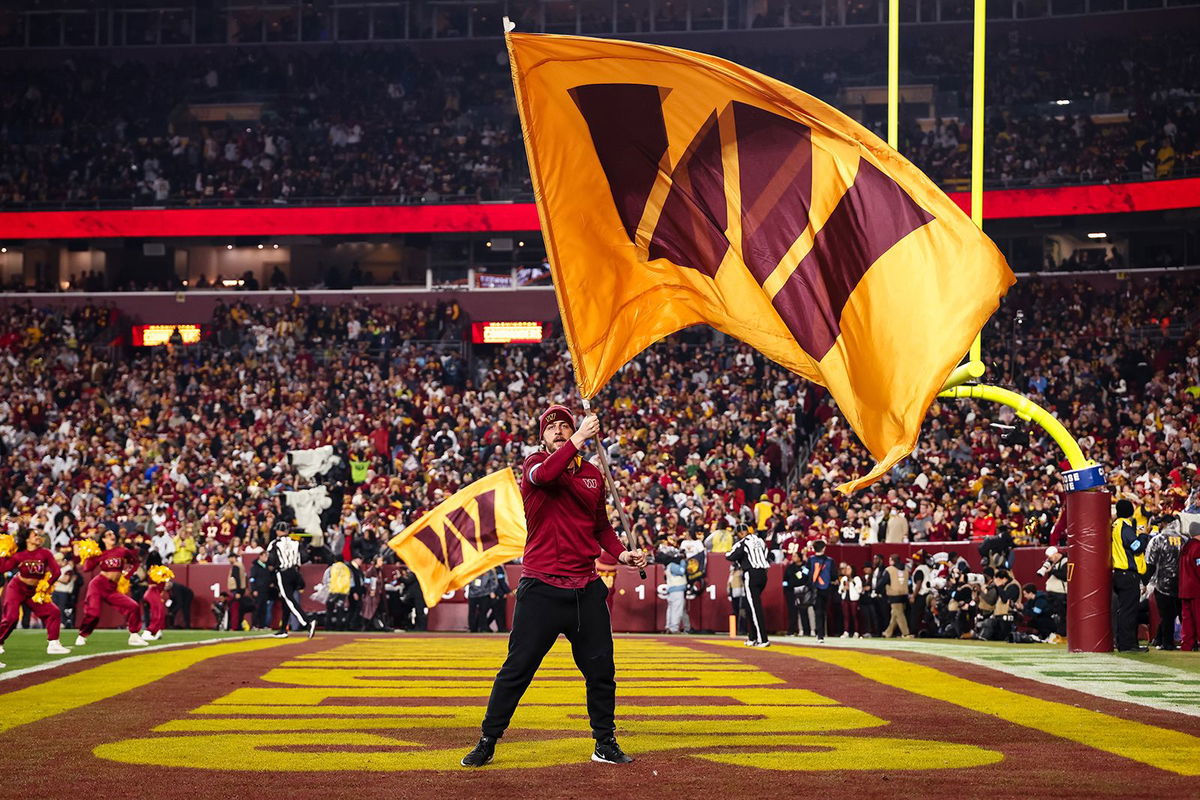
x,y
516,217
154,335
507,332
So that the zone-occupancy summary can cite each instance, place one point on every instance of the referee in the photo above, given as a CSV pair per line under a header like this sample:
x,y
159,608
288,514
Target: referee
x,y
559,591
750,553
283,558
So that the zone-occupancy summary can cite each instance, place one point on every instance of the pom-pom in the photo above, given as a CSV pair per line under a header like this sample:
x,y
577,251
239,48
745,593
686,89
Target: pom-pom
x,y
42,593
123,585
160,574
85,549
8,545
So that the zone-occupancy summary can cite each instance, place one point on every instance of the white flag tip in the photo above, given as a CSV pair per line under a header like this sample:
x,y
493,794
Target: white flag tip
x,y
509,25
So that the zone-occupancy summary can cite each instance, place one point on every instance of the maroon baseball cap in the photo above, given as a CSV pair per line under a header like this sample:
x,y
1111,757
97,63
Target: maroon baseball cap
x,y
554,414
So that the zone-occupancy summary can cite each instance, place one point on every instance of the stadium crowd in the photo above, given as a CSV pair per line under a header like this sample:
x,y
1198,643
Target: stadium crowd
x,y
184,451
381,122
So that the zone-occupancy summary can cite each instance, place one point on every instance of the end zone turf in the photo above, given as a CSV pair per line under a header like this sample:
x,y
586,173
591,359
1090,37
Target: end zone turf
x,y
391,715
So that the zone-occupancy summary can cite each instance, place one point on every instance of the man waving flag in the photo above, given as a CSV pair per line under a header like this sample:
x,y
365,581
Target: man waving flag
x,y
676,188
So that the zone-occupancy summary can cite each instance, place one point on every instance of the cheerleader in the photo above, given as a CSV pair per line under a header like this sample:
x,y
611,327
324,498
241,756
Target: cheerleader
x,y
160,581
114,564
36,573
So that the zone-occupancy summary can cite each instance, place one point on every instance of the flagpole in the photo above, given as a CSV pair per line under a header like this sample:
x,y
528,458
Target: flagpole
x,y
893,78
612,487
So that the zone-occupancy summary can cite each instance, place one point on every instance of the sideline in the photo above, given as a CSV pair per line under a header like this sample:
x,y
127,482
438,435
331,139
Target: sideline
x,y
1164,748
16,673
1104,675
68,692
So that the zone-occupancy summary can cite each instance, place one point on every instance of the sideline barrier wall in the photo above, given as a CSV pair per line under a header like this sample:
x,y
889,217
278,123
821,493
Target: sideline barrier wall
x,y
638,606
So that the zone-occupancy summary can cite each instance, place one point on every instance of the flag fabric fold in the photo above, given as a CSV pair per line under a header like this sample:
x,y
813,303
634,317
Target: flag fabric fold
x,y
676,188
472,531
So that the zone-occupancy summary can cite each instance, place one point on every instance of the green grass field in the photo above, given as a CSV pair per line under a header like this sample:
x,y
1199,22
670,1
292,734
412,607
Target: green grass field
x,y
27,648
1176,659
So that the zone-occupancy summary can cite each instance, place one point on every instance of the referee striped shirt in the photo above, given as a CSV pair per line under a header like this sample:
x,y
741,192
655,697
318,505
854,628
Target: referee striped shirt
x,y
286,550
754,548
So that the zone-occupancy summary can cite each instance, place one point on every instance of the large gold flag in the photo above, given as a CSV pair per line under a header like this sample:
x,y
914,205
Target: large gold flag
x,y
472,531
677,188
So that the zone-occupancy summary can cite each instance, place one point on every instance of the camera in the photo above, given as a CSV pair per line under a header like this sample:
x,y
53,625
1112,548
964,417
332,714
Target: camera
x,y
1044,569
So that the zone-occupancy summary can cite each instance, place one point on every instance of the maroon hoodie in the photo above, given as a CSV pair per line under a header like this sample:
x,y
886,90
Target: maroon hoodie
x,y
566,517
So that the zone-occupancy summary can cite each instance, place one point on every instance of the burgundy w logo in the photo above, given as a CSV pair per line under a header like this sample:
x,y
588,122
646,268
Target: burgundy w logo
x,y
478,530
775,187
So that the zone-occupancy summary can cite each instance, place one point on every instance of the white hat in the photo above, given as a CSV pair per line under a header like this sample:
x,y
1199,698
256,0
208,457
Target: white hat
x,y
1051,551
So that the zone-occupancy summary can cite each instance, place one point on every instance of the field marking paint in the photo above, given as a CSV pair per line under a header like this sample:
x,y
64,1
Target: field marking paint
x,y
295,723
1163,748
16,673
53,697
1104,675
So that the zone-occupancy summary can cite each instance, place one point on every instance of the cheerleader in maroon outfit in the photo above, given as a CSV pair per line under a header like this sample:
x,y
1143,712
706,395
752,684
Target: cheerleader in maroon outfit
x,y
32,563
160,581
112,563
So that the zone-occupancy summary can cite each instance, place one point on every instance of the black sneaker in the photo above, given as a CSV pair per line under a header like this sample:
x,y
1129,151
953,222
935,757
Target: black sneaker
x,y
481,754
609,752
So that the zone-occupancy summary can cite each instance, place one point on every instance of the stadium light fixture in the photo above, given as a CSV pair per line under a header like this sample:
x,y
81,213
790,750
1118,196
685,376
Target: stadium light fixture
x,y
274,247
1097,235
1062,102
489,244
260,247
228,247
3,249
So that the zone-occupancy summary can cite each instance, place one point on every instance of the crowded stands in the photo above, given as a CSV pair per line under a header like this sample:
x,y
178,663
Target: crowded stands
x,y
184,449
375,122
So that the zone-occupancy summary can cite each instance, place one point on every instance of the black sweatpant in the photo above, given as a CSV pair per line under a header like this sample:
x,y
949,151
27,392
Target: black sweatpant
x,y
821,610
1168,613
756,581
541,614
477,609
1127,588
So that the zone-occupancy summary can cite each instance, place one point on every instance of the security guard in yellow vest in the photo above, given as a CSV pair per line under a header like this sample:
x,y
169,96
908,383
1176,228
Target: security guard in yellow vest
x,y
1129,569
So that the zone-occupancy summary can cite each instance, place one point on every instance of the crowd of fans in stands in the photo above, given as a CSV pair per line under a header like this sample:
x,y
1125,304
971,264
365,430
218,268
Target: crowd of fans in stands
x,y
185,450
381,122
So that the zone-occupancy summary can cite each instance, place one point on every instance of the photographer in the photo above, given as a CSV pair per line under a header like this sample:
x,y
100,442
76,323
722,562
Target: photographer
x,y
1054,570
1004,597
1035,606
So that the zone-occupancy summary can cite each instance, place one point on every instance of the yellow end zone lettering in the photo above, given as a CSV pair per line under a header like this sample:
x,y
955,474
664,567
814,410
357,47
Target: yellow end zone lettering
x,y
318,715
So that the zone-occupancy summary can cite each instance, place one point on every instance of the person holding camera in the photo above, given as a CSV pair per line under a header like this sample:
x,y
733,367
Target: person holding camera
x,y
1054,570
1035,606
1005,598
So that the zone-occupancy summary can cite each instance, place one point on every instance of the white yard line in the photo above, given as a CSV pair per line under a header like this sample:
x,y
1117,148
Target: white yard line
x,y
1099,674
16,673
